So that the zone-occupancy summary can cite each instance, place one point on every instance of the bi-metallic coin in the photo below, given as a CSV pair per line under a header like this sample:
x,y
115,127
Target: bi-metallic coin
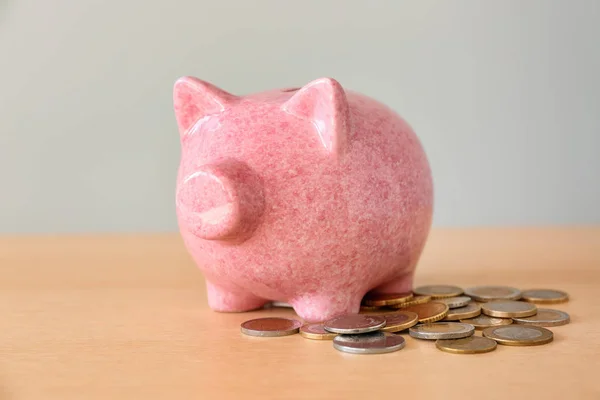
x,y
439,291
492,293
354,323
509,309
455,302
441,330
519,335
485,321
270,327
468,345
545,317
545,296
369,343
469,311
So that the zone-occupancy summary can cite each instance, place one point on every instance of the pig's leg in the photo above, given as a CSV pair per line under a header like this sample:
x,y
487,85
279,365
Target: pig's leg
x,y
401,284
321,307
231,300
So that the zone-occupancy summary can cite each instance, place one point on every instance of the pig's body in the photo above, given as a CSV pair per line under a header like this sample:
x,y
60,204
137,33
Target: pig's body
x,y
313,197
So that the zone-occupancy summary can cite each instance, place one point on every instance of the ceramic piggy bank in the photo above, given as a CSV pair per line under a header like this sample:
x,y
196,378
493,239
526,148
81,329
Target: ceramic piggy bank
x,y
312,196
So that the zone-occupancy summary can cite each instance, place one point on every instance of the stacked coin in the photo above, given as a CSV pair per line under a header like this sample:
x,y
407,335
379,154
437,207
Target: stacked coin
x,y
444,313
372,334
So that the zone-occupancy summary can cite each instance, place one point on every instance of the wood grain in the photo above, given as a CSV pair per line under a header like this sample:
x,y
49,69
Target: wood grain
x,y
125,317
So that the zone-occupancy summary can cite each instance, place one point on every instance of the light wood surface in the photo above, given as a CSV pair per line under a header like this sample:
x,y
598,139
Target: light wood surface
x,y
125,317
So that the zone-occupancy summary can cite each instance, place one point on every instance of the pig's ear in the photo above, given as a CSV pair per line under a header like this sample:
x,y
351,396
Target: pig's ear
x,y
194,99
323,102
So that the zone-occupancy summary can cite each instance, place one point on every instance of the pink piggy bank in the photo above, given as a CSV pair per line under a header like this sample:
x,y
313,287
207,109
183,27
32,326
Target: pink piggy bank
x,y
313,196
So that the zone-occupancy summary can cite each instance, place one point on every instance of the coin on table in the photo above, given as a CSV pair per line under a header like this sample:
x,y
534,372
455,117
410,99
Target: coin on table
x,y
485,321
429,312
415,300
455,302
441,330
508,309
469,311
316,332
270,327
399,321
492,293
354,323
468,345
519,335
545,317
438,291
386,299
545,296
369,343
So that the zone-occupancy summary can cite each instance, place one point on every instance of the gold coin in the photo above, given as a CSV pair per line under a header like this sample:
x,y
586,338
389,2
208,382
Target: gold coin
x,y
429,312
519,335
469,311
415,300
316,332
468,345
492,293
485,321
386,299
545,317
509,309
545,296
399,321
438,291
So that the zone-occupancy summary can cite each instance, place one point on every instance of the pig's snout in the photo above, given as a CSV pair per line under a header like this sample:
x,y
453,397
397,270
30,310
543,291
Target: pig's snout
x,y
222,201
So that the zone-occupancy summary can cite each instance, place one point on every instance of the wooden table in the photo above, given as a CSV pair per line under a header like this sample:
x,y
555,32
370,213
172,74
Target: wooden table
x,y
125,317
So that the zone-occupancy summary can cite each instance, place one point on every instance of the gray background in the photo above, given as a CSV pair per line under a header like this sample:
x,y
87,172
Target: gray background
x,y
505,96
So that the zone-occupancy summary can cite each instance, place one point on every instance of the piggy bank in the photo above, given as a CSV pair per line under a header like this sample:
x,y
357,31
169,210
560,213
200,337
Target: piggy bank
x,y
312,196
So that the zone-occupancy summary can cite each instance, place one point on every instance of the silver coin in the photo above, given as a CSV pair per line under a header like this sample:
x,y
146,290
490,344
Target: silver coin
x,y
354,323
455,302
369,343
545,317
442,330
491,293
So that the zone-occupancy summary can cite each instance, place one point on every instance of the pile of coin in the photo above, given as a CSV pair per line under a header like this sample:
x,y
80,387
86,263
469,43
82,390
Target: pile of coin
x,y
447,314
